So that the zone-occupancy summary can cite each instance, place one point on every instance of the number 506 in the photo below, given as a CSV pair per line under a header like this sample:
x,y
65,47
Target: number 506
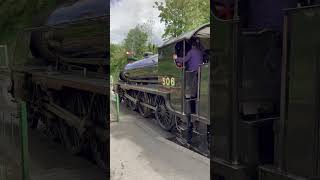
x,y
167,81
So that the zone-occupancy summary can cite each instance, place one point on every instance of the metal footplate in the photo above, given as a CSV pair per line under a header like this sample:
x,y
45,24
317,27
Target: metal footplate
x,y
227,170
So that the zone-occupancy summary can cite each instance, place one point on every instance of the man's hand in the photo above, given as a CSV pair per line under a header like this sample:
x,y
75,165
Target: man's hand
x,y
174,57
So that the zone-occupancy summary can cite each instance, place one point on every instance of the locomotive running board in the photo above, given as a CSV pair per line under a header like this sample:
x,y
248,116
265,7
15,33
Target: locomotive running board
x,y
143,81
153,90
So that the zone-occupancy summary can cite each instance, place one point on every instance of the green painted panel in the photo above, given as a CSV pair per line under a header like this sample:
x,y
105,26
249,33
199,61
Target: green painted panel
x,y
151,71
167,70
221,86
303,88
204,91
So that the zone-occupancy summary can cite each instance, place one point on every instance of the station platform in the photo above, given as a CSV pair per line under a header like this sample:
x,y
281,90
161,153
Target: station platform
x,y
140,149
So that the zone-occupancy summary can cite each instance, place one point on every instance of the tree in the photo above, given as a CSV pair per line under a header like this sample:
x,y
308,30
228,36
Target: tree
x,y
136,41
180,16
118,58
147,28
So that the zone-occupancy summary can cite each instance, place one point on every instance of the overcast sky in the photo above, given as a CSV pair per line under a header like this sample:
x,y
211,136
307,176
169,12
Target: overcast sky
x,y
126,14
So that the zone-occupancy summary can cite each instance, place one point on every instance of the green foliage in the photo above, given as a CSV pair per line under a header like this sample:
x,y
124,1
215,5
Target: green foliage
x,y
16,15
136,41
180,16
118,58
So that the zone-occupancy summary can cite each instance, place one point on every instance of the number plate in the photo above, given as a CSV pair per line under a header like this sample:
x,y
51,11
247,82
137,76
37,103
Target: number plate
x,y
168,81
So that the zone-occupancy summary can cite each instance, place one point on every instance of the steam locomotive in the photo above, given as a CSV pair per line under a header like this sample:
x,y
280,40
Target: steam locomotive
x,y
61,72
260,120
156,86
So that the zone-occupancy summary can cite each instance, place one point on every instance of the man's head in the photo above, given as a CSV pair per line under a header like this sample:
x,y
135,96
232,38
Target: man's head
x,y
194,44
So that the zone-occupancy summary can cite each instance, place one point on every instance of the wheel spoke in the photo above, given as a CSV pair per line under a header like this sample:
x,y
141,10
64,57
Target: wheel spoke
x,y
163,116
143,110
78,104
99,151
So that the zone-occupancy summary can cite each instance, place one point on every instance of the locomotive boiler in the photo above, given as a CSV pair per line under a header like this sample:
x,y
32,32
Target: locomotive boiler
x,y
143,71
60,70
72,34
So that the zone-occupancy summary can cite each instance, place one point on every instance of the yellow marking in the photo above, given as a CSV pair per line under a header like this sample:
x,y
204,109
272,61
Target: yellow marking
x,y
163,81
173,81
168,81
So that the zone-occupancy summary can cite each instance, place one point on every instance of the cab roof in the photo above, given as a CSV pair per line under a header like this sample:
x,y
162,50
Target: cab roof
x,y
201,32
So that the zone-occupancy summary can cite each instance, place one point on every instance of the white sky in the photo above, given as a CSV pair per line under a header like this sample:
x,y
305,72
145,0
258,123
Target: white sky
x,y
126,14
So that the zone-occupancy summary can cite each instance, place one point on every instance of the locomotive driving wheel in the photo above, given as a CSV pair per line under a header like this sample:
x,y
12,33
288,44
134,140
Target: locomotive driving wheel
x,y
99,148
147,99
98,112
100,152
70,137
34,106
163,116
33,116
131,104
77,103
49,127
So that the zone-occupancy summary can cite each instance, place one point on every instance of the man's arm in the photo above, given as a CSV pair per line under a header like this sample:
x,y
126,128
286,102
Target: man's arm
x,y
182,59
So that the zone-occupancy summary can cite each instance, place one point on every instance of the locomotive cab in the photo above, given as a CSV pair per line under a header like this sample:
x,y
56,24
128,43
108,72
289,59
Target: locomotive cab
x,y
175,77
188,88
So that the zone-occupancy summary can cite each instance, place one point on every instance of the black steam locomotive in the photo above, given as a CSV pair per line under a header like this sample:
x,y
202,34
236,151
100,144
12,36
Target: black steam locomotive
x,y
260,119
61,72
156,85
